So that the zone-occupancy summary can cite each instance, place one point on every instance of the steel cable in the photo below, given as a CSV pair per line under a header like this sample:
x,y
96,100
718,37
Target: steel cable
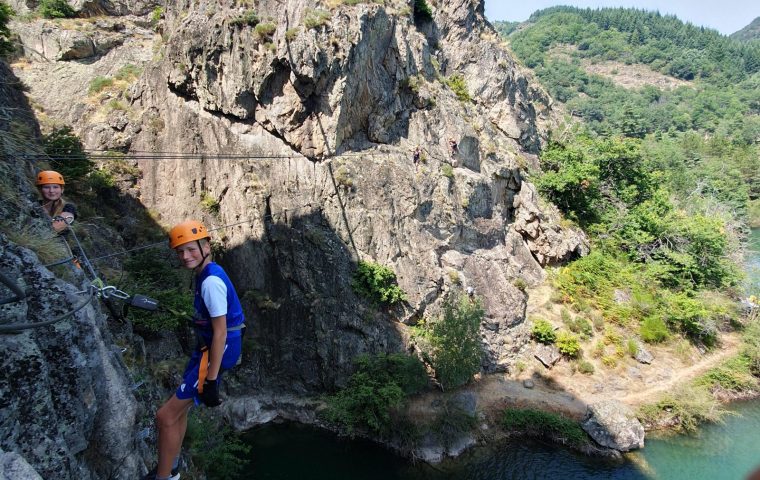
x,y
17,327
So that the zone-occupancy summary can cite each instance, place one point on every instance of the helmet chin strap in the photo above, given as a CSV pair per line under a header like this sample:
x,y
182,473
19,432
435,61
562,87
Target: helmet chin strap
x,y
203,259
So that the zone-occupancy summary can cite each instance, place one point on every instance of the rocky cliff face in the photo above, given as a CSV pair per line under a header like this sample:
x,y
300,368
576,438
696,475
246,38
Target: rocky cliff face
x,y
66,405
298,126
88,8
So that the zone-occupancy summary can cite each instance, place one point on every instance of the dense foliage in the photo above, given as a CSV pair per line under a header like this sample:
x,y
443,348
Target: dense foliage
x,y
6,12
543,424
568,344
377,283
216,450
635,36
543,332
55,9
452,342
377,389
703,135
663,176
67,154
153,273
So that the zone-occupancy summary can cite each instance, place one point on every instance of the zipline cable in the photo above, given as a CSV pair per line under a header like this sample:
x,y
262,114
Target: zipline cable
x,y
146,155
165,242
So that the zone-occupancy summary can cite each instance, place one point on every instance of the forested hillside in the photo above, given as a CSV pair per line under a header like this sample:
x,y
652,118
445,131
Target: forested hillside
x,y
748,33
706,125
658,161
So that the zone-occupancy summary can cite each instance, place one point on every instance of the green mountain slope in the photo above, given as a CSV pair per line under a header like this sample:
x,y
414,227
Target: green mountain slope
x,y
707,116
750,32
658,162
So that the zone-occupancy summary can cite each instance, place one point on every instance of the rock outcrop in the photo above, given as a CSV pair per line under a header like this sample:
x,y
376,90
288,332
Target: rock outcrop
x,y
66,405
297,125
88,8
338,105
613,425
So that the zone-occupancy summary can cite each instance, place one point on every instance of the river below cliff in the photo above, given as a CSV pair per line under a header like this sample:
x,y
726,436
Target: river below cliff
x,y
724,451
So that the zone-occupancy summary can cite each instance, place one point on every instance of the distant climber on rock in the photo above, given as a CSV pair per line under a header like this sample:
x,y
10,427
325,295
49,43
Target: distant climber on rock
x,y
453,147
62,213
219,327
416,156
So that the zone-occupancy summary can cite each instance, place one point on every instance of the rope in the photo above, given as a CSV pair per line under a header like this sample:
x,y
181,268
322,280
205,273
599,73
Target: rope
x,y
84,255
17,327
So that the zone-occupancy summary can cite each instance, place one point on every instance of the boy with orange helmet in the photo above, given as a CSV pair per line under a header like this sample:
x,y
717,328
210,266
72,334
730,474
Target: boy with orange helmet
x,y
219,325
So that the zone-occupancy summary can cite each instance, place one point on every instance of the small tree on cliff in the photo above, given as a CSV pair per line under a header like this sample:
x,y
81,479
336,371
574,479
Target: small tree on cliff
x,y
422,12
453,341
6,13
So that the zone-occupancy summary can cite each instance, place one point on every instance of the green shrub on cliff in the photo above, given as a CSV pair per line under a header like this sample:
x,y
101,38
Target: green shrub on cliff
x,y
376,390
653,330
152,273
568,344
55,9
458,85
67,154
316,18
536,423
422,12
377,283
452,342
216,450
6,13
543,332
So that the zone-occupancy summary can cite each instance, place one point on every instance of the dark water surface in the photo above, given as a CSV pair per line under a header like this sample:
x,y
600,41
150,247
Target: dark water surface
x,y
727,451
300,452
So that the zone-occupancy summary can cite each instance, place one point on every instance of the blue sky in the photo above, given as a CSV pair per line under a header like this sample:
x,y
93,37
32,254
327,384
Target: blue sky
x,y
726,16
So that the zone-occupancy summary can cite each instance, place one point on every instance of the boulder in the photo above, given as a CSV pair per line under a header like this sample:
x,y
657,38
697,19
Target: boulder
x,y
246,412
548,242
613,425
52,42
548,355
642,354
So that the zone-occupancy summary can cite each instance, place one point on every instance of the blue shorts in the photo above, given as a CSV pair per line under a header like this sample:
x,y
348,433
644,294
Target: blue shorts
x,y
189,387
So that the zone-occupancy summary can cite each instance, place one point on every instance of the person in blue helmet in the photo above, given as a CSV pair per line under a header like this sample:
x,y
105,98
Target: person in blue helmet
x,y
219,326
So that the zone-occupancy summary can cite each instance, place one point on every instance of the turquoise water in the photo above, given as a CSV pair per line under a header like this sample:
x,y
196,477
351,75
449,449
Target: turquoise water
x,y
726,451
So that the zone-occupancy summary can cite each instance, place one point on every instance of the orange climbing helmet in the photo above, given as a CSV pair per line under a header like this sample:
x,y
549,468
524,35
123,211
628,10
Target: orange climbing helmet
x,y
49,176
187,232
